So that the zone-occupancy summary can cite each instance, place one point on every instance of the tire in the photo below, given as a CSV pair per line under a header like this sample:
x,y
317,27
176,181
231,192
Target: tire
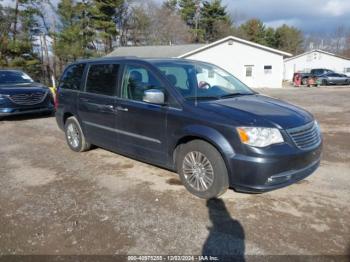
x,y
324,82
215,178
73,130
304,81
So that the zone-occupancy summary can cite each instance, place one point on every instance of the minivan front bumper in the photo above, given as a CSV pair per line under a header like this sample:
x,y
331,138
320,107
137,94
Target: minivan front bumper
x,y
261,174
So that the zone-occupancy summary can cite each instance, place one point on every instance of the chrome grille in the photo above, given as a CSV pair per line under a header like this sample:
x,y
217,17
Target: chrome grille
x,y
28,99
306,137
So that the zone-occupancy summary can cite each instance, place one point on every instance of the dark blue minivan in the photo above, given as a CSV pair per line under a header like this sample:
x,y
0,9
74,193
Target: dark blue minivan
x,y
190,117
20,94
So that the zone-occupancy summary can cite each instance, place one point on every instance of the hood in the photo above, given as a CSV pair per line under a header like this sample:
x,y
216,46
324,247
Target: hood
x,y
260,110
10,89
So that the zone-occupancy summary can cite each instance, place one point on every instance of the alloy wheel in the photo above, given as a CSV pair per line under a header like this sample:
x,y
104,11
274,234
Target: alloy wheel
x,y
73,135
198,171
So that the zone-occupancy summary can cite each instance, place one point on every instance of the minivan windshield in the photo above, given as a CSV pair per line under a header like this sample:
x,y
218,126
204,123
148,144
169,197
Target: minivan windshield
x,y
197,80
14,77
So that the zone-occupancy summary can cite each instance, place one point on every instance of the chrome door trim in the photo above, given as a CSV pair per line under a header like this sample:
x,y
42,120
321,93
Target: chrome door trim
x,y
123,132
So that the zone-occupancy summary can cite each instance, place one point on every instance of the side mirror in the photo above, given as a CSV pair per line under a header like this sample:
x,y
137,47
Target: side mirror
x,y
154,96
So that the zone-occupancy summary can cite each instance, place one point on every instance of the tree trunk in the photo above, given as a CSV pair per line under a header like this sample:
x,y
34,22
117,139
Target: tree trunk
x,y
16,21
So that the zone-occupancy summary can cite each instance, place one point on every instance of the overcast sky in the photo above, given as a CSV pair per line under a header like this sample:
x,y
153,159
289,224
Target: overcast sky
x,y
311,16
308,15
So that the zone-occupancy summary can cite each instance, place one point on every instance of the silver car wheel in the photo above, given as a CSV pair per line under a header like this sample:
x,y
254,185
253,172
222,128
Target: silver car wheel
x,y
198,171
73,135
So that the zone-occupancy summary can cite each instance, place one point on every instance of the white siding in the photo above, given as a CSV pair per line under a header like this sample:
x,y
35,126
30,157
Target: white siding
x,y
234,58
313,60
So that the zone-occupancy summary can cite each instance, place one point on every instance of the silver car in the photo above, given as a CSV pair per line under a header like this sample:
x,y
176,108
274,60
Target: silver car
x,y
333,79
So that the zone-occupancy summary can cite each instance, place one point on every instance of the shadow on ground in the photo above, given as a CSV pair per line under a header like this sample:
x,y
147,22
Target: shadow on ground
x,y
27,116
226,235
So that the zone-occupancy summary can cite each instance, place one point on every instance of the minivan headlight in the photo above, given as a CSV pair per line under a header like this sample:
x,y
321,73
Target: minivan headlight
x,y
259,136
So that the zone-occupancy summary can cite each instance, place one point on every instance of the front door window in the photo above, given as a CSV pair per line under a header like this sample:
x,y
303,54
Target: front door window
x,y
136,81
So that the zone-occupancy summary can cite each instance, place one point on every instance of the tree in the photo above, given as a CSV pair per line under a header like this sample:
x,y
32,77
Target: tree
x,y
76,34
171,5
18,28
270,37
139,25
222,29
214,18
188,9
289,39
173,30
254,30
104,17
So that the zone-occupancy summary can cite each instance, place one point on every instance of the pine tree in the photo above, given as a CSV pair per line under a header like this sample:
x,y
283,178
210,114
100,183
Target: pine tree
x,y
213,16
18,28
190,13
254,30
76,35
104,18
188,9
270,37
289,39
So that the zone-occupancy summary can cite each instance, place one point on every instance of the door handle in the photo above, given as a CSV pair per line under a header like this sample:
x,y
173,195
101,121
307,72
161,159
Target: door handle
x,y
124,109
108,108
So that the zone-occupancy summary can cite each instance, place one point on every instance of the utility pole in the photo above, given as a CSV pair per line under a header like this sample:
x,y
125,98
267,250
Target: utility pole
x,y
196,19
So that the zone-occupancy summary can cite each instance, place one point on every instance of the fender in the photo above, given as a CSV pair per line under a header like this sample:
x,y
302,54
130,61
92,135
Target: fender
x,y
206,133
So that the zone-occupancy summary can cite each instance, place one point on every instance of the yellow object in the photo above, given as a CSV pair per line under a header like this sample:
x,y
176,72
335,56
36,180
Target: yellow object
x,y
53,91
243,135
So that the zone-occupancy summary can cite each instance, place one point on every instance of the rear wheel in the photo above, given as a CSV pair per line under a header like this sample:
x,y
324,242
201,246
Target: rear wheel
x,y
202,169
324,82
74,136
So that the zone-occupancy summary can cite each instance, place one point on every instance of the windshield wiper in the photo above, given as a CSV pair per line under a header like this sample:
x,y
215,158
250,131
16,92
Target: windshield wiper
x,y
202,98
233,95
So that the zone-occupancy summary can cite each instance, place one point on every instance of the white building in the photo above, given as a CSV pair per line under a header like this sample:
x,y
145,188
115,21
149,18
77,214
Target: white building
x,y
254,64
315,59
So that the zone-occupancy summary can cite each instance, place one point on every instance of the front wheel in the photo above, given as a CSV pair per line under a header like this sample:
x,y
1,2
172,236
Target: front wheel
x,y
202,169
74,136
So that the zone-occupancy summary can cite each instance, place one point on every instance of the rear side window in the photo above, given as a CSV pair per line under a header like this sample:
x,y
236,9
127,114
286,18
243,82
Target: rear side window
x,y
102,79
72,77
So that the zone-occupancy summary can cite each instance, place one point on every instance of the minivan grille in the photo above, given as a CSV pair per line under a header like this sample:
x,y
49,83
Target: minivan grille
x,y
28,98
306,137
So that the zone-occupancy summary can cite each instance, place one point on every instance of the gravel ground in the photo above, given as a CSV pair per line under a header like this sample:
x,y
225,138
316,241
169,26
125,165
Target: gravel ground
x,y
54,201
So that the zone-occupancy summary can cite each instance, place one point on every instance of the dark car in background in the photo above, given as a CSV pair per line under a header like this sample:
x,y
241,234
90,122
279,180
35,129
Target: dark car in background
x,y
19,94
333,79
313,74
190,117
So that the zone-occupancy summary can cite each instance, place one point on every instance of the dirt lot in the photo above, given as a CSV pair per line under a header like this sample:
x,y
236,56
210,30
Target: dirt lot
x,y
55,201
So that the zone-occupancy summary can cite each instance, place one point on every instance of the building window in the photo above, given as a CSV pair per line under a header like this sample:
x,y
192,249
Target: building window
x,y
347,70
268,69
248,70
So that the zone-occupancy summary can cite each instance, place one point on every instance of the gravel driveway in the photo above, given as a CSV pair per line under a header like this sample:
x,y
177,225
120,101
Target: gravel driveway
x,y
54,201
